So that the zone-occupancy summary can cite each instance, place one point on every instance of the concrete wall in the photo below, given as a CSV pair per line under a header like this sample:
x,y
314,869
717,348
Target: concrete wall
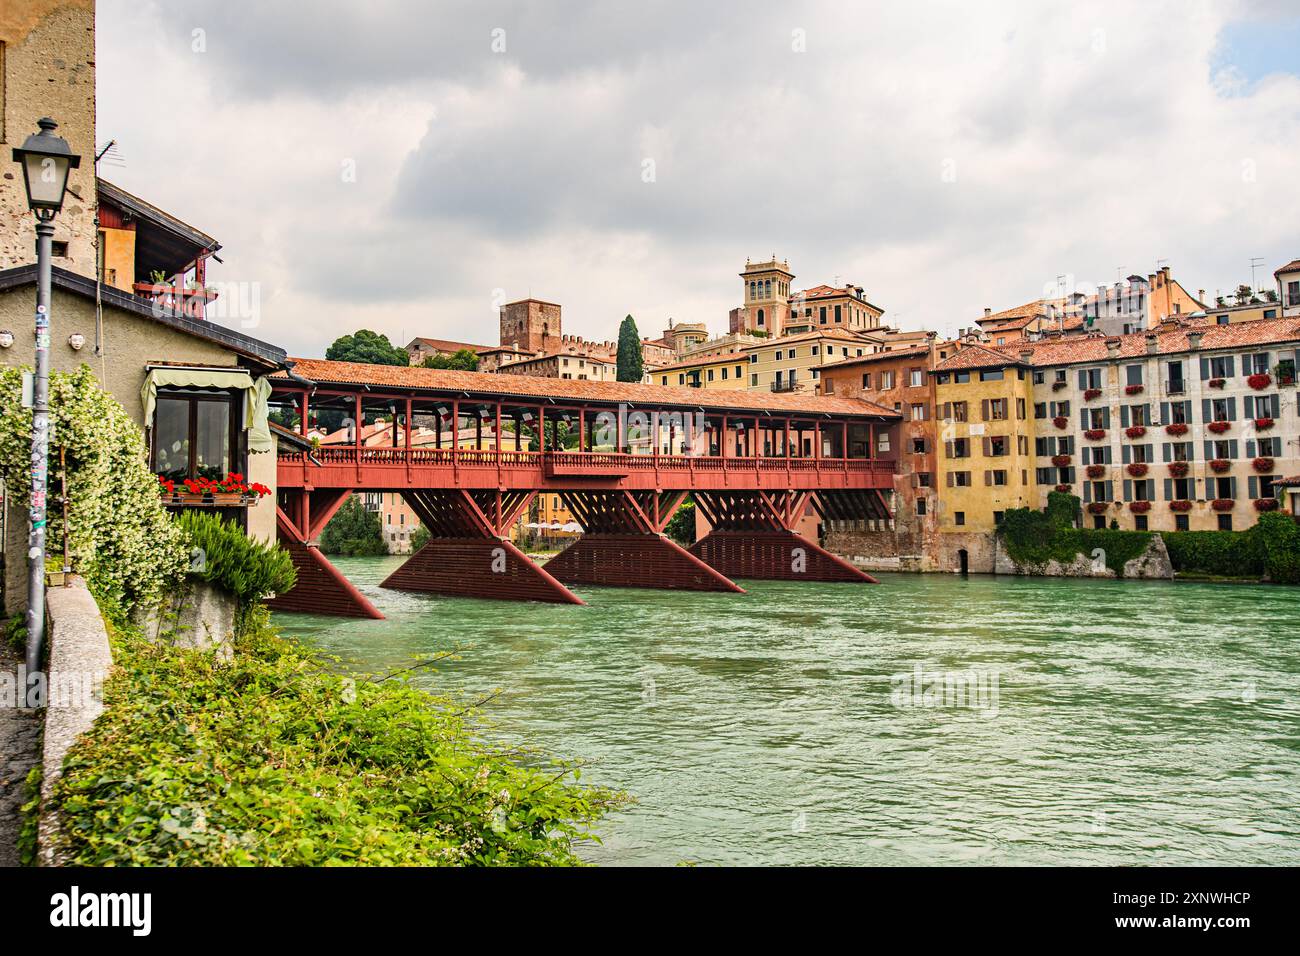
x,y
49,70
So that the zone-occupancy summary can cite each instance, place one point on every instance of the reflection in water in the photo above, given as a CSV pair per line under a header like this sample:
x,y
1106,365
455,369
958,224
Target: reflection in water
x,y
1134,722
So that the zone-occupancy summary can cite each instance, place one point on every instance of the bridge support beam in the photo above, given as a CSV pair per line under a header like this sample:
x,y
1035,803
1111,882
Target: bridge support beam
x,y
625,546
468,553
321,588
753,536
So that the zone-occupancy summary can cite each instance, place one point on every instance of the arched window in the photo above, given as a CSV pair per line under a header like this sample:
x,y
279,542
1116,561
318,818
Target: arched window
x,y
760,316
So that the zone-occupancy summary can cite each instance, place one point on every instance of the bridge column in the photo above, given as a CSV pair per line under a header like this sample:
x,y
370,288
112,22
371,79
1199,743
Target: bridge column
x,y
753,534
624,545
469,553
301,516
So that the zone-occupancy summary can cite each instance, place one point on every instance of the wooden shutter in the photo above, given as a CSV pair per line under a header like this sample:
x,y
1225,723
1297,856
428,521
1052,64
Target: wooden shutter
x,y
1166,452
1250,448
1123,416
1252,487
1205,368
1248,406
1164,413
1169,489
1232,409
1207,410
1128,489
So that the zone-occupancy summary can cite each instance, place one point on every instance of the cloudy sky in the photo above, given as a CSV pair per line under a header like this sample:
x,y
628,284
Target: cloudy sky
x,y
406,166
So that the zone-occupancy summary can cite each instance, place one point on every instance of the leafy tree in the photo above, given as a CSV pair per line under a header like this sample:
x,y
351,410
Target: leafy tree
x,y
682,526
465,360
367,346
419,538
1243,294
353,531
629,352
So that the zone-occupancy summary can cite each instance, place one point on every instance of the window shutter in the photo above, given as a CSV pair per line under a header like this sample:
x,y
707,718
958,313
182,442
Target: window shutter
x,y
988,477
1205,368
1125,452
1083,378
1169,489
1232,484
1164,413
1252,486
1232,409
950,479
947,451
1232,365
1083,418
1087,492
1250,448
1123,416
1086,451
1105,418
1209,449
1166,453
984,409
1248,406
1232,448
1128,489
1207,410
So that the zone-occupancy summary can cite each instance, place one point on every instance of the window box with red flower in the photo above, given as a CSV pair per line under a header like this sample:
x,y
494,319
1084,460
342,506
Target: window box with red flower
x,y
1095,434
1134,389
1137,469
1223,504
1259,381
1262,464
1139,507
1057,386
1176,428
1060,421
1061,461
1090,393
1219,427
1217,382
1264,424
1063,489
1265,504
229,492
1180,505
1178,469
1097,508
1220,464
1095,471
1135,431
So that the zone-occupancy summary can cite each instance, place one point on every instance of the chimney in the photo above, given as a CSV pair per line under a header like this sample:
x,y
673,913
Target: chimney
x,y
1112,348
987,311
1194,340
1026,355
1200,295
1153,343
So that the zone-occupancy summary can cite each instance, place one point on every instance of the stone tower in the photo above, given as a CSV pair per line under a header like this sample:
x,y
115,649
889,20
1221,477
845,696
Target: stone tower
x,y
766,291
531,324
47,68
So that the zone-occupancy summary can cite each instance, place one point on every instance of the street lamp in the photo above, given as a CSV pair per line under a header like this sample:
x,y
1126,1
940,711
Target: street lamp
x,y
46,161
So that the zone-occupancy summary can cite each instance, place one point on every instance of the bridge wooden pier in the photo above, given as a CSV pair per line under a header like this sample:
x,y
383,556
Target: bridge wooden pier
x,y
471,452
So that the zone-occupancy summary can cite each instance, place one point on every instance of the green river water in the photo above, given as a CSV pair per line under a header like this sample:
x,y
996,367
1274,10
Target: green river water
x,y
1114,722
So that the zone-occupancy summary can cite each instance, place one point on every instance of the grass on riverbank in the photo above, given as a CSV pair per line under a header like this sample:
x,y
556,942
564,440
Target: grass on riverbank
x,y
273,759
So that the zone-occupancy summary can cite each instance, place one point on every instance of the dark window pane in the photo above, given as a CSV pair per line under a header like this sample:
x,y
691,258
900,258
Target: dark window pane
x,y
212,443
171,438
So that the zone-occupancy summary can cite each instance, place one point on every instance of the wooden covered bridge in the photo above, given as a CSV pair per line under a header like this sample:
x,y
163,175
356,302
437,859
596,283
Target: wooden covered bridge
x,y
469,451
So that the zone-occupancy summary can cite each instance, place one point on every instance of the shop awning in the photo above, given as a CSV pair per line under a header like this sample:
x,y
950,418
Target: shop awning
x,y
179,376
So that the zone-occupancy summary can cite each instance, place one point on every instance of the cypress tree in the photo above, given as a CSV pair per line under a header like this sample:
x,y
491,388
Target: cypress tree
x,y
629,351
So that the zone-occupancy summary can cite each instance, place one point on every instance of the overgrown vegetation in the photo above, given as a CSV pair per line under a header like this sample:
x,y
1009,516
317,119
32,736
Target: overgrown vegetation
x,y
120,538
1270,549
275,759
462,360
681,527
353,531
247,569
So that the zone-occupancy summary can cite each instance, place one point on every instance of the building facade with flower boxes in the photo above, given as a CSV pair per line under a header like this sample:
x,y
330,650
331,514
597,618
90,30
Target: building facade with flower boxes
x,y
1185,427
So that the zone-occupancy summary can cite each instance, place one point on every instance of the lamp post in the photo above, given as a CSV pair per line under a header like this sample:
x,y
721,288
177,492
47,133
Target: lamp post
x,y
46,161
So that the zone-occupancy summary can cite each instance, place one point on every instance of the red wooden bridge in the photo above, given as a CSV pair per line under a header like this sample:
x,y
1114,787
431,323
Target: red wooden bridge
x,y
469,452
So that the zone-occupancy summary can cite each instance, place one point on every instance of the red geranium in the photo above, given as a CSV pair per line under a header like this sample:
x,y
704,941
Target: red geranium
x,y
1139,507
1265,504
1259,380
1135,431
1176,428
1061,461
1219,427
1057,386
1063,488
1060,421
1263,424
1220,464
1223,504
1217,382
1097,508
1133,389
1096,471
1137,469
1095,434
1263,464
1183,505
1177,469
232,484
1090,393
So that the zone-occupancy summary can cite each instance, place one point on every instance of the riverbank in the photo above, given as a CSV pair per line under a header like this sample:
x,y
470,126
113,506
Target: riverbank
x,y
1134,721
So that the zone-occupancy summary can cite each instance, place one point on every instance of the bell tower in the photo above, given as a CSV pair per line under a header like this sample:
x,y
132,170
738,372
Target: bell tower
x,y
766,292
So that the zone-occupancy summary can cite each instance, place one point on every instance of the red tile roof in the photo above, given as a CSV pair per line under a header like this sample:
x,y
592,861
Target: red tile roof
x,y
891,355
449,345
1292,266
1092,348
412,377
977,356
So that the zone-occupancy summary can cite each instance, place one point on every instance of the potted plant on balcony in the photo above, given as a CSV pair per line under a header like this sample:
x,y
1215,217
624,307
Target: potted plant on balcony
x,y
1217,382
1262,464
1177,469
1134,389
1135,431
1090,393
1061,461
1097,508
1095,434
230,491
1060,421
1095,471
1137,469
1223,504
1063,489
1265,504
1219,427
1220,465
1139,507
1176,428
1180,505
1259,381
1263,424
1057,386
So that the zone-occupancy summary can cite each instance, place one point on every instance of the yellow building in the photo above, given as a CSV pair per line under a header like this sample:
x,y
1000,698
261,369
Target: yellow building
x,y
793,363
727,370
985,462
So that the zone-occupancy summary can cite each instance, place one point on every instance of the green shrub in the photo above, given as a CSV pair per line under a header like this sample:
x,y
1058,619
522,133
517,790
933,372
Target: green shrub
x,y
248,569
272,759
1218,553
681,526
353,531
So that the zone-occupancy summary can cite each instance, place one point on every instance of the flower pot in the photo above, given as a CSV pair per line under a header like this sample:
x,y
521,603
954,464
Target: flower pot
x,y
1090,393
1219,427
1259,381
1262,465
1182,505
1263,424
1060,421
1137,469
1265,504
1134,389
1178,469
1220,465
1139,507
1095,434
1135,431
1223,504
1176,428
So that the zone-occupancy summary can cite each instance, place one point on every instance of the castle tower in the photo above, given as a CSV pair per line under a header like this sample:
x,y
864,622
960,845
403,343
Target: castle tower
x,y
531,324
766,293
